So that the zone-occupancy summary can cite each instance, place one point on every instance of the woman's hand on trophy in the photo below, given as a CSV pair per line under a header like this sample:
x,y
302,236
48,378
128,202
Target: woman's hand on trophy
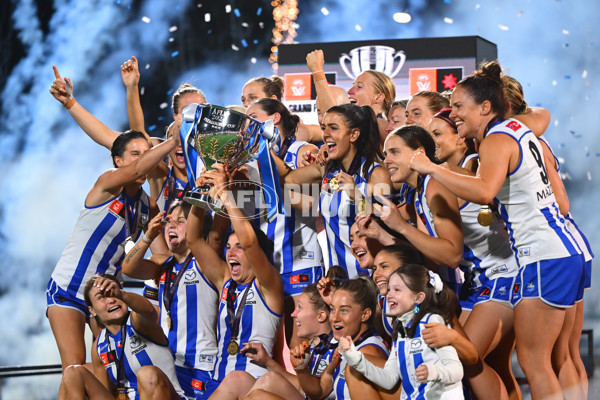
x,y
61,89
130,73
218,178
315,61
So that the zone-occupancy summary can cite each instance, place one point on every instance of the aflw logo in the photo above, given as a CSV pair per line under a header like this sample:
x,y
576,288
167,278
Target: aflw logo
x,y
298,88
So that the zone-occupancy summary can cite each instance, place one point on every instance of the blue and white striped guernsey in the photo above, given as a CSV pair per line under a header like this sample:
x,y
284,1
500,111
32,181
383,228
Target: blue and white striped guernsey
x,y
258,324
338,212
527,204
138,352
340,387
172,189
294,236
96,245
580,238
412,352
450,276
193,311
487,254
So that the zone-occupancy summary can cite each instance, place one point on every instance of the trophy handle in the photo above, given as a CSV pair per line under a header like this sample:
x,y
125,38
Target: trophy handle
x,y
343,59
402,58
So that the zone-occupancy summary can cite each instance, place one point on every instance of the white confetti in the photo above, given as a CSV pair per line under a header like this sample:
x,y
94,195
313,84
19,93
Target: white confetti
x,y
228,8
448,20
173,28
207,17
554,83
199,5
146,19
358,27
142,90
147,66
253,60
402,17
171,40
261,24
503,27
584,74
555,122
163,106
589,176
565,32
477,6
234,47
245,24
324,11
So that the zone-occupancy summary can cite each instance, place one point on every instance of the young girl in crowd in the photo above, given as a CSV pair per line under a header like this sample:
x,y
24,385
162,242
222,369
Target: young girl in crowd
x,y
115,211
551,267
416,296
130,356
349,175
186,299
352,313
251,289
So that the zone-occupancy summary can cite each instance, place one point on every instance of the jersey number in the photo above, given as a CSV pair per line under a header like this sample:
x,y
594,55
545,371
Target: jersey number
x,y
540,162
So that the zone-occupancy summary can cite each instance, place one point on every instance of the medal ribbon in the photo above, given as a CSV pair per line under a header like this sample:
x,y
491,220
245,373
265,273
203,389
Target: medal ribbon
x,y
136,216
120,362
284,147
173,190
172,285
493,122
363,336
321,349
233,315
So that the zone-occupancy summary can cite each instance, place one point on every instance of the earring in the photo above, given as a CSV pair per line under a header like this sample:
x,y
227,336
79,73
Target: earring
x,y
417,309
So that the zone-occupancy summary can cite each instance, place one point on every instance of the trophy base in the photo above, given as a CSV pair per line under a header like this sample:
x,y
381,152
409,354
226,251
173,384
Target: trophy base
x,y
204,201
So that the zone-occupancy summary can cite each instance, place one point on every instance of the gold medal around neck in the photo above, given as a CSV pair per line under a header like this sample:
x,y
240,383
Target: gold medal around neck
x,y
233,348
122,396
169,322
334,184
485,216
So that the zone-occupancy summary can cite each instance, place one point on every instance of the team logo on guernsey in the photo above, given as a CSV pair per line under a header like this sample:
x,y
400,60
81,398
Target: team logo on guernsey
x,y
190,275
524,251
196,384
416,346
108,358
135,342
485,292
300,278
224,296
116,206
516,288
530,287
514,125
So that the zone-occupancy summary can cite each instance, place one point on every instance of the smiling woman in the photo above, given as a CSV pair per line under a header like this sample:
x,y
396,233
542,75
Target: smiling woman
x,y
130,356
349,177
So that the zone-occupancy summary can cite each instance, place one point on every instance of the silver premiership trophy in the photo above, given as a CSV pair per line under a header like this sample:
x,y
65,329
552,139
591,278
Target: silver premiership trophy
x,y
213,134
379,58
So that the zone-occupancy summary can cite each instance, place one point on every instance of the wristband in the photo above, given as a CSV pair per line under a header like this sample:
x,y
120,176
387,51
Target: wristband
x,y
146,239
321,80
315,72
319,76
69,103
